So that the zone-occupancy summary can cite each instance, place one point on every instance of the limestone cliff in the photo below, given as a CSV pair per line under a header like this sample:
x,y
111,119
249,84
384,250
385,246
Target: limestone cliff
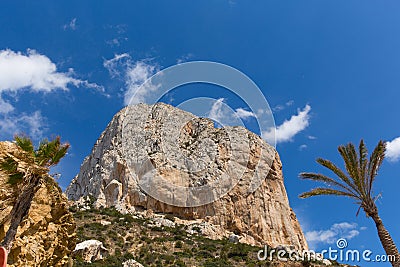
x,y
47,236
230,165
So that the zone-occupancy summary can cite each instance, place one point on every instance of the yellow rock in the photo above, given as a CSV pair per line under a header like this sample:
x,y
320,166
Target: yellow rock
x,y
47,236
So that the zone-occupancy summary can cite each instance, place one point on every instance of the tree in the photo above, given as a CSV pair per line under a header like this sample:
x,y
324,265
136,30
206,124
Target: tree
x,y
357,184
28,170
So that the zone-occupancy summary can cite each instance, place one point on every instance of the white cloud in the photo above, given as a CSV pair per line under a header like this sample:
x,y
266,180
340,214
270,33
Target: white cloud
x,y
116,41
225,115
71,25
278,108
113,65
135,74
336,231
216,113
184,58
5,107
393,149
289,103
311,137
289,128
302,147
244,114
260,112
118,32
32,124
34,71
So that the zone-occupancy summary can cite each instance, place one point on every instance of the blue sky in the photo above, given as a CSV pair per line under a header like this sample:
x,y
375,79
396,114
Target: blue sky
x,y
330,69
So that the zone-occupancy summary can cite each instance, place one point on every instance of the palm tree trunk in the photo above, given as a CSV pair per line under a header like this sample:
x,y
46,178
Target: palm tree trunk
x,y
20,210
387,241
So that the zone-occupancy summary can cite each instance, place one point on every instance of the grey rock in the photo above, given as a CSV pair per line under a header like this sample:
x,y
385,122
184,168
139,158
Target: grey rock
x,y
131,263
234,238
90,250
163,222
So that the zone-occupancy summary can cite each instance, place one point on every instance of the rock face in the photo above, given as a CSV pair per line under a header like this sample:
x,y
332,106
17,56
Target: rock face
x,y
228,177
90,250
47,236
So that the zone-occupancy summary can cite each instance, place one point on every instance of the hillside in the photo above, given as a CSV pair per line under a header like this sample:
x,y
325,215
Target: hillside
x,y
149,241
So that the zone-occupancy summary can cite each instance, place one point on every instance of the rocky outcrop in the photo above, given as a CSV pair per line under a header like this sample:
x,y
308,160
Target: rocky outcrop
x,y
47,236
227,177
90,250
131,263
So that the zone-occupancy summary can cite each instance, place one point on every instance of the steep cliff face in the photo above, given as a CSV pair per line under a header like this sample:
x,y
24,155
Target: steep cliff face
x,y
228,177
47,236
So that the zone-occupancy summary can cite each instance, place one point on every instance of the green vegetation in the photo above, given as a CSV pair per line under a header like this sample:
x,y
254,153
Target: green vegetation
x,y
129,237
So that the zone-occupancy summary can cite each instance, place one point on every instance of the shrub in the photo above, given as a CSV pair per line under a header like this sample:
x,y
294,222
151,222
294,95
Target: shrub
x,y
170,217
178,244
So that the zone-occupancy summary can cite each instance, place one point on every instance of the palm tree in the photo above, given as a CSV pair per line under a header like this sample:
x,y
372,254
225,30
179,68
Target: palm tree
x,y
357,184
28,169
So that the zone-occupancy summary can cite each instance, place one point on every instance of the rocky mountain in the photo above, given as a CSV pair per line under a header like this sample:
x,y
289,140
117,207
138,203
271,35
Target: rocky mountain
x,y
160,159
47,236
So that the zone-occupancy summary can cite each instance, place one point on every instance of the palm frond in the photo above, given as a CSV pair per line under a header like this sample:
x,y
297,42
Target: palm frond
x,y
42,153
49,153
25,143
325,179
336,170
375,163
360,176
363,153
351,160
59,154
348,164
326,191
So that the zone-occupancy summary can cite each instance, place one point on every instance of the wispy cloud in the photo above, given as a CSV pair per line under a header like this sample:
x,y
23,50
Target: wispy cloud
x,y
134,73
244,114
302,147
71,25
116,41
217,113
184,58
5,107
118,64
278,108
393,150
225,115
289,128
289,103
33,124
329,236
118,32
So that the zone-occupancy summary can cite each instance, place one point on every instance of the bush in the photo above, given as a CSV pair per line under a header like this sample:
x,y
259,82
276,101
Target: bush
x,y
178,244
170,217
